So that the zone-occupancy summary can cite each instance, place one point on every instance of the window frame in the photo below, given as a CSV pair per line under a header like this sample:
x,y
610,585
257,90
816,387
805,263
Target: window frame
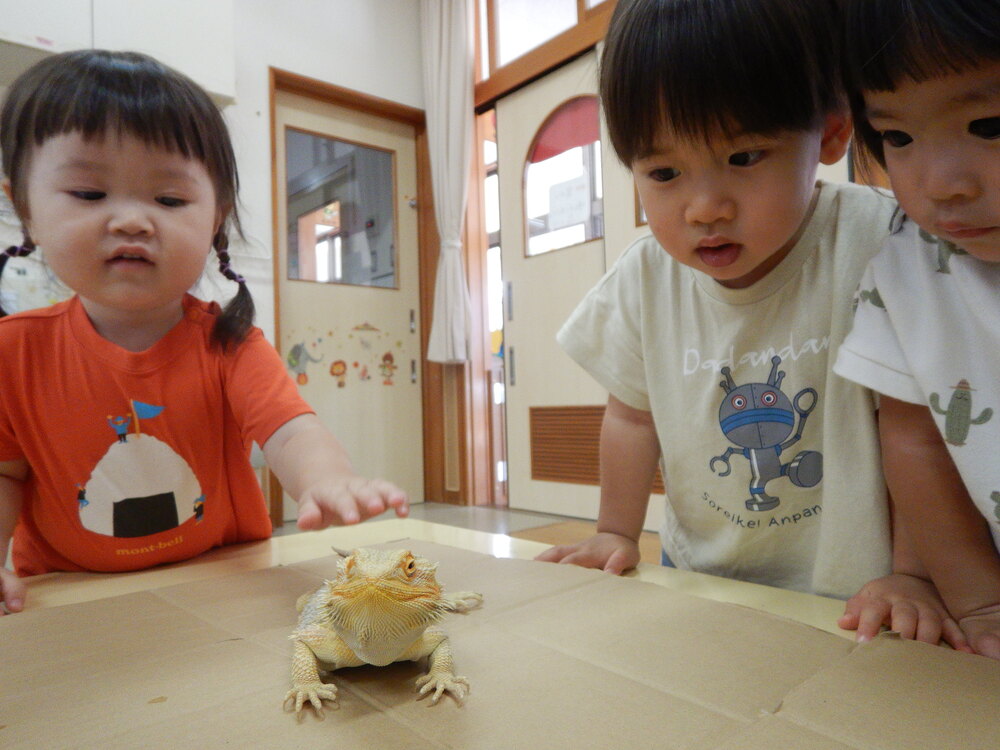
x,y
591,26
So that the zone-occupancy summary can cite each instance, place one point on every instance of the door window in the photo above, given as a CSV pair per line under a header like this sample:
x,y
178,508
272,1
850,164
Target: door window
x,y
564,204
341,212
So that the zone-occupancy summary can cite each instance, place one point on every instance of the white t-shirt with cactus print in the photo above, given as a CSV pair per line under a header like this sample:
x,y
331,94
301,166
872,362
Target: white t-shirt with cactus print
x,y
927,331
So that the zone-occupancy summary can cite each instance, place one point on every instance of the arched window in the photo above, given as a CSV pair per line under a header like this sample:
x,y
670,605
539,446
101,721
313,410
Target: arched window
x,y
562,179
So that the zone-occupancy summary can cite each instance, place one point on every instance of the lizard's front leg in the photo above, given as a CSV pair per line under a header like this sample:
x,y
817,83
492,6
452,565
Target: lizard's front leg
x,y
312,644
440,676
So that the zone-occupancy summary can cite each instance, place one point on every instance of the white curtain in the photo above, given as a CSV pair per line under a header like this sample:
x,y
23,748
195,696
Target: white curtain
x,y
446,30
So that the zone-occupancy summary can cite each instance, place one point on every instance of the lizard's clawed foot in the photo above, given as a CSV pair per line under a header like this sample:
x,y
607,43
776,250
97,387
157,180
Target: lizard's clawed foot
x,y
315,693
463,601
457,686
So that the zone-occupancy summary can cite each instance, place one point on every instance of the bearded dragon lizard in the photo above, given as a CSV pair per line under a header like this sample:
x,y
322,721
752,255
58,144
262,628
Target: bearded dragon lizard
x,y
376,611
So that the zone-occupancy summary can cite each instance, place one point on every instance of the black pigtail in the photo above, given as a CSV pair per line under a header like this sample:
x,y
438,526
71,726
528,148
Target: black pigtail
x,y
232,327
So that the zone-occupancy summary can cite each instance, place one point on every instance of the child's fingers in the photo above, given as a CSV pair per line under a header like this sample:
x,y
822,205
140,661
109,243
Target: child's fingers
x,y
309,516
852,612
986,644
397,499
375,496
870,620
953,635
929,627
392,494
905,621
848,620
554,554
618,563
314,515
583,557
12,591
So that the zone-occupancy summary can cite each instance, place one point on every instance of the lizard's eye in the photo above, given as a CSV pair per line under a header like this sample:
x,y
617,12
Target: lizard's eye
x,y
410,568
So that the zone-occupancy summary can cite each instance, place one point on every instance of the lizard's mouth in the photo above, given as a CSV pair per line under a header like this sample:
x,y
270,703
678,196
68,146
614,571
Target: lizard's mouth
x,y
379,588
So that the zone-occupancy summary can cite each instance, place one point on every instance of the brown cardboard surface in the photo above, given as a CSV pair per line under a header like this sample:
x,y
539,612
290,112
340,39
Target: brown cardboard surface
x,y
558,657
945,699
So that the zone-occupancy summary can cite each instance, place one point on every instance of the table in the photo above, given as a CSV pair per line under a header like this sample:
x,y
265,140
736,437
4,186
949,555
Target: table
x,y
55,589
197,654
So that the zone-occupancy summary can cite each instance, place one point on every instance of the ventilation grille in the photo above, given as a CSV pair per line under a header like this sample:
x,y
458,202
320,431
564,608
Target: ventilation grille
x,y
565,444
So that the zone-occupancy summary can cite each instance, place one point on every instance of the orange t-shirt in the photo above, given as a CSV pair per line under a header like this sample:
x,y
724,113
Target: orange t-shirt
x,y
136,458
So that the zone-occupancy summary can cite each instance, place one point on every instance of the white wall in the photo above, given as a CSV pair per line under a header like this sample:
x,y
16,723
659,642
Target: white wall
x,y
371,46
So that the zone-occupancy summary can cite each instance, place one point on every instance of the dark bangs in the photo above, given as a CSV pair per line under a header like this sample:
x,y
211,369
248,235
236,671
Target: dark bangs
x,y
700,69
887,41
96,92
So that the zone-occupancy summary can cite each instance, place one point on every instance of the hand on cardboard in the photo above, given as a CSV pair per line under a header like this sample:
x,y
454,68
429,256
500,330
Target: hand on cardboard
x,y
12,592
982,628
906,604
349,501
612,553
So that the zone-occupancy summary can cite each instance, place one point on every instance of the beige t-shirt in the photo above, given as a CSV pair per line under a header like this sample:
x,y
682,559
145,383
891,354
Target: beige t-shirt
x,y
770,461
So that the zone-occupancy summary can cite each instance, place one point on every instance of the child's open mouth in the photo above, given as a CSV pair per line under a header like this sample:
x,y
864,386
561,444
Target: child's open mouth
x,y
130,259
719,256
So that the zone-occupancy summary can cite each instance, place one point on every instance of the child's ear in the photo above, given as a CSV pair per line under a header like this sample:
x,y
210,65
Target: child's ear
x,y
836,137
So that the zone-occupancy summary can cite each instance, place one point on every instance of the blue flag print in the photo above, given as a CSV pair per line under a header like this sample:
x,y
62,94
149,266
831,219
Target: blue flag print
x,y
146,411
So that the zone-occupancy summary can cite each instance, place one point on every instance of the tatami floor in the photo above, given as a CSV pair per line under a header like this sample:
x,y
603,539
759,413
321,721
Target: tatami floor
x,y
539,527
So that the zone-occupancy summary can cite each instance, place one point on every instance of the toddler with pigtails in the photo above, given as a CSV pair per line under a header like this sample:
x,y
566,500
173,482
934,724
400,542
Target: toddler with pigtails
x,y
127,413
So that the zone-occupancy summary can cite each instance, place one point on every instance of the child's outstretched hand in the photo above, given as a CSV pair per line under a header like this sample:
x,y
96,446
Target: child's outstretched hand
x,y
349,501
12,592
906,604
612,553
982,628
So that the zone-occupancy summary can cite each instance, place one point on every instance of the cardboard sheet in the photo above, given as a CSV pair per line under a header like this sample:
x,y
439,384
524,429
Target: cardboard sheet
x,y
558,657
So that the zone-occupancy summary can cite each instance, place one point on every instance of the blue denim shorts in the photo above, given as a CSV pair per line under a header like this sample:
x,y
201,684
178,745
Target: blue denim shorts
x,y
665,561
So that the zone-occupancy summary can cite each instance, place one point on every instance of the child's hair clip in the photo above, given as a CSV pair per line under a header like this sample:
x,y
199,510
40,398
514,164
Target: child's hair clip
x,y
18,251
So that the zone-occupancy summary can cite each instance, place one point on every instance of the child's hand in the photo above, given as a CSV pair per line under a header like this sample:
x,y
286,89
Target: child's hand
x,y
906,604
12,592
349,501
982,628
612,553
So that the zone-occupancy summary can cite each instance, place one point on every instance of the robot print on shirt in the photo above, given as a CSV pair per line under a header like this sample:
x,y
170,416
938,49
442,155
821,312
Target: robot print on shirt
x,y
141,486
758,418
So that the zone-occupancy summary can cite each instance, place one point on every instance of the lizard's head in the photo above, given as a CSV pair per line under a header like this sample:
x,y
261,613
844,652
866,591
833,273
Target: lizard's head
x,y
383,595
395,573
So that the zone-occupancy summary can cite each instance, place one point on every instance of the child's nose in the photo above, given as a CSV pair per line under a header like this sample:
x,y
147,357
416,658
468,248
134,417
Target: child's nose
x,y
708,206
130,218
947,176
